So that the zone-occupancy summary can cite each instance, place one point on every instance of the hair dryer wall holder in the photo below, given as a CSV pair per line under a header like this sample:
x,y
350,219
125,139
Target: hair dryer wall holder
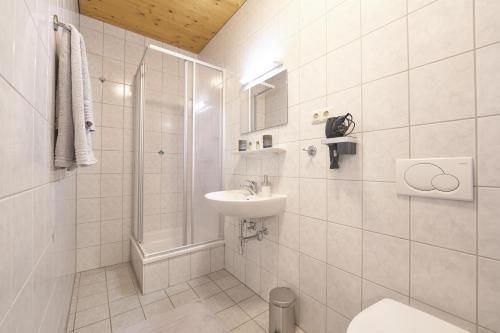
x,y
339,146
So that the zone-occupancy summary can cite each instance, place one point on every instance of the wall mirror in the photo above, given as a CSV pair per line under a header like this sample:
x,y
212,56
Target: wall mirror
x,y
264,102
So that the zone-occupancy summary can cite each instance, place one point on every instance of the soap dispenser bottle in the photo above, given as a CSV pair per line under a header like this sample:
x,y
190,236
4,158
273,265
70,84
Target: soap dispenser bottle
x,y
266,187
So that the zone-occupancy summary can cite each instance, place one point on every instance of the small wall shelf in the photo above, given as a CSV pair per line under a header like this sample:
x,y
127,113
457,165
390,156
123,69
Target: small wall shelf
x,y
349,139
260,152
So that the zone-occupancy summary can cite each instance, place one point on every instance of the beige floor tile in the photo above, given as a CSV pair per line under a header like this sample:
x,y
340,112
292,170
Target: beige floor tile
x,y
249,327
239,293
199,281
206,290
183,297
157,308
117,293
121,282
87,302
127,319
178,288
92,289
254,306
123,304
152,297
233,317
263,320
219,302
219,274
96,277
99,327
227,282
91,316
71,322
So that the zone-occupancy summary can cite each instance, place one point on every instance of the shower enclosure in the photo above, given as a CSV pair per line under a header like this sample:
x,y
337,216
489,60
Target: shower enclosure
x,y
178,114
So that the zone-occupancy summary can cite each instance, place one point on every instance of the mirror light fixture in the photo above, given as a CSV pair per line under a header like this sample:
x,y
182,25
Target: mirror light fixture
x,y
278,68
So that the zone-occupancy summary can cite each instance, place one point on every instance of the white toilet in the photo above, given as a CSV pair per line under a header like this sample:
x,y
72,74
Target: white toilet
x,y
389,316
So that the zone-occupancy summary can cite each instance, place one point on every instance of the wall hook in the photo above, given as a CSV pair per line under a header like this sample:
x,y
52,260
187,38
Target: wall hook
x,y
311,150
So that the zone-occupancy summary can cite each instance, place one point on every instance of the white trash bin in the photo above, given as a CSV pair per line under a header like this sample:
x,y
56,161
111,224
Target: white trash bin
x,y
281,310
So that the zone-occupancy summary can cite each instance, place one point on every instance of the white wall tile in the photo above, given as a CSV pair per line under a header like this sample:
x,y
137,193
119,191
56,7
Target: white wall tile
x,y
488,226
385,103
375,14
386,261
439,275
488,80
344,67
385,51
344,292
488,293
288,265
344,247
312,314
345,202
385,211
488,145
179,269
200,263
443,90
380,151
313,79
313,198
487,25
312,41
449,139
442,29
343,24
446,223
313,238
313,278
372,293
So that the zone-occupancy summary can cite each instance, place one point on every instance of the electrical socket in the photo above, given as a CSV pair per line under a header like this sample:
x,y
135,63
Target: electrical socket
x,y
321,115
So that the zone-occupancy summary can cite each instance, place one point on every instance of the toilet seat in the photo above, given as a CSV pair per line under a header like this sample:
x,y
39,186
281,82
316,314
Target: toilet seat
x,y
389,316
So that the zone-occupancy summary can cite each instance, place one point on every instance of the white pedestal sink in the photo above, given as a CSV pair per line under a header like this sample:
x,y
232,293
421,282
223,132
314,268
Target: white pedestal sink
x,y
238,203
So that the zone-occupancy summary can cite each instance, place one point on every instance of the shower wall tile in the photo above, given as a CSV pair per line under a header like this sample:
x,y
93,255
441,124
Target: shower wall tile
x,y
410,75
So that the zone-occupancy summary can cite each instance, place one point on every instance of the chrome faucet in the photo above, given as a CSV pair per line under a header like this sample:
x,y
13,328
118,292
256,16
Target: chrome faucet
x,y
250,186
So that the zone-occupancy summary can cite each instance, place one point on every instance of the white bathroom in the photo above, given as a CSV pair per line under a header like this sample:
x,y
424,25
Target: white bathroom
x,y
250,166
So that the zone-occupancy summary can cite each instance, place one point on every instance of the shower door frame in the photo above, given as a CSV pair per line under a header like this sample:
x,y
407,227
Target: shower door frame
x,y
138,202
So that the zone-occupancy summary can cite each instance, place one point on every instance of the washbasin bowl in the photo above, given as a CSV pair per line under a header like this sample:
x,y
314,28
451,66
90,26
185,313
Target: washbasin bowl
x,y
238,203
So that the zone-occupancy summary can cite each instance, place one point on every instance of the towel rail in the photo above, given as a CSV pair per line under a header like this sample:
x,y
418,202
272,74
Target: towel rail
x,y
58,24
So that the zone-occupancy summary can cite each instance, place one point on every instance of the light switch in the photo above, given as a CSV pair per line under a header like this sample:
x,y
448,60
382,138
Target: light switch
x,y
443,178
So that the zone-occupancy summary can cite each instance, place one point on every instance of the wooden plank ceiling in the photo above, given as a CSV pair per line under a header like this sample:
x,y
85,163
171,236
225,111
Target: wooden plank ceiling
x,y
188,24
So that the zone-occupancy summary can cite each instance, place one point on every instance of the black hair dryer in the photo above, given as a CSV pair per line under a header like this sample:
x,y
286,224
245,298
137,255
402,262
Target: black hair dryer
x,y
338,127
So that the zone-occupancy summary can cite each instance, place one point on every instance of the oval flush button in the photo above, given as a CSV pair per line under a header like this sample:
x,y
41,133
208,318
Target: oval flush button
x,y
445,183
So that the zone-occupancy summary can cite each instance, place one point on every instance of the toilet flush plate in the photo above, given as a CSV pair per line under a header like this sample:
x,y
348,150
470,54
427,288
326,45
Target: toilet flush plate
x,y
442,178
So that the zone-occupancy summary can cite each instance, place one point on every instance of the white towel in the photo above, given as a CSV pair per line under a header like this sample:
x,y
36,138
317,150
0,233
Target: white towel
x,y
75,117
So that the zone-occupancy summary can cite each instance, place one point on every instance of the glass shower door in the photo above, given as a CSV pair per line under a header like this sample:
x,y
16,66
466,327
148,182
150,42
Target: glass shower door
x,y
206,223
